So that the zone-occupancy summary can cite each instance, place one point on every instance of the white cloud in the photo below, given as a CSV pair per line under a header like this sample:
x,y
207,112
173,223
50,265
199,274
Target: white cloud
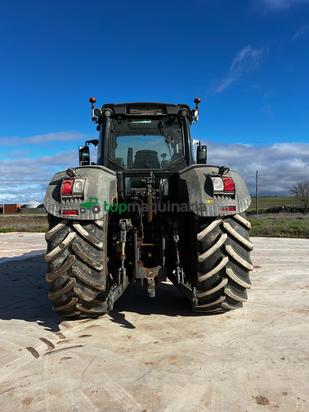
x,y
247,59
40,139
280,166
301,32
25,179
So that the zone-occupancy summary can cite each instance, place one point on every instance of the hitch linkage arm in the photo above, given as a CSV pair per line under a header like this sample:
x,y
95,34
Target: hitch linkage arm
x,y
179,272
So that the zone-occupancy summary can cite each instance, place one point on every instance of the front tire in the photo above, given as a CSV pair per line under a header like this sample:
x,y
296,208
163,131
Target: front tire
x,y
223,263
77,267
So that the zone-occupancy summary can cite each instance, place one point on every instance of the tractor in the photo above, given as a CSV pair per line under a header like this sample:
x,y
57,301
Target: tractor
x,y
148,209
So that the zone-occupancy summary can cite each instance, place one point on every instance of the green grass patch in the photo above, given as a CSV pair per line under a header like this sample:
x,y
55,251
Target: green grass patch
x,y
23,223
35,229
274,201
280,226
6,229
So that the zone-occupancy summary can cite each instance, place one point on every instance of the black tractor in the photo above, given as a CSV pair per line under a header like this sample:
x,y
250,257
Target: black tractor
x,y
150,208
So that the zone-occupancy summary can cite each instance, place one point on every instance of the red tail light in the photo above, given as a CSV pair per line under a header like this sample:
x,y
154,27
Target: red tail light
x,y
229,185
228,209
67,187
70,212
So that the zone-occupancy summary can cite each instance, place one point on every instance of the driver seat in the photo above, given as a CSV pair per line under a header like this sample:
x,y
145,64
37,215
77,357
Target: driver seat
x,y
146,159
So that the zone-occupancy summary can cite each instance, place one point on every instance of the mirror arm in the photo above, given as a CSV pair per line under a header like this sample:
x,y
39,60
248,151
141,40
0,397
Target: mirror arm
x,y
95,142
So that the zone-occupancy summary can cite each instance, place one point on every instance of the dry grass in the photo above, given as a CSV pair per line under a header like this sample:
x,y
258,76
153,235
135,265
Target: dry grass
x,y
279,225
23,223
287,225
274,201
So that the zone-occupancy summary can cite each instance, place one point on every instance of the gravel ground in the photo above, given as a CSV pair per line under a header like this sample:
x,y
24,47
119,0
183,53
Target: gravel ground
x,y
154,354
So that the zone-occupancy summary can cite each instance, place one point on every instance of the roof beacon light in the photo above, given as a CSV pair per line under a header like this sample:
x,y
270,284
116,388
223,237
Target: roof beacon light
x,y
195,111
92,101
197,101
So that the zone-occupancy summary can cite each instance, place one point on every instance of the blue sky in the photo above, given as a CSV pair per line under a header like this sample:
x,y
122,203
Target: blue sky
x,y
248,60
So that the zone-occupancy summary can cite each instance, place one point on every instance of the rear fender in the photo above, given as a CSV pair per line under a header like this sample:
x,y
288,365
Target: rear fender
x,y
194,189
100,191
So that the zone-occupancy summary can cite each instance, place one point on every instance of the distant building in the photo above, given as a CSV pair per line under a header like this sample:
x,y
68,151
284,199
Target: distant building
x,y
10,208
31,205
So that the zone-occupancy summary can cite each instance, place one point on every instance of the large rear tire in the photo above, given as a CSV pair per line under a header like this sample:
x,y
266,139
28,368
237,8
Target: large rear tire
x,y
77,267
223,264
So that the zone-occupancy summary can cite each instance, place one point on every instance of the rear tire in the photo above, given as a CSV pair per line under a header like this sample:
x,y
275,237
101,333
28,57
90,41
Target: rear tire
x,y
223,263
77,267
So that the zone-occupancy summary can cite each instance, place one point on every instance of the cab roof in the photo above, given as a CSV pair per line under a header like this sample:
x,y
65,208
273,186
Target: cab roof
x,y
151,108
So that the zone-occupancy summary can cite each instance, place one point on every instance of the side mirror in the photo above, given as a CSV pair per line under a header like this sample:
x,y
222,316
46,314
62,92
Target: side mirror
x,y
201,154
84,152
84,155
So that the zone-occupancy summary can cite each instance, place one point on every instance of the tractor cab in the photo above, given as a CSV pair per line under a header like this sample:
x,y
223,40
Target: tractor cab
x,y
143,136
146,143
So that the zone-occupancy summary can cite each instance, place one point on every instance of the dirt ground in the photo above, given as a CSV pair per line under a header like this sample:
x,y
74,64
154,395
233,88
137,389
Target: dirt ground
x,y
154,354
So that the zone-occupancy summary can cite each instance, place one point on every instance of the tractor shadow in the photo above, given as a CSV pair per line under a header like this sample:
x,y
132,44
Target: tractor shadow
x,y
168,302
23,292
23,295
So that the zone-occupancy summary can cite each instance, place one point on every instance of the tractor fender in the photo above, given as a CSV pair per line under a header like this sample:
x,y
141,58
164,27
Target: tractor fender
x,y
100,191
195,189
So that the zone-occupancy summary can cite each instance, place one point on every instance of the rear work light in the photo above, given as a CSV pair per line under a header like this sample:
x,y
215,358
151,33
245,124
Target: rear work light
x,y
222,184
217,184
78,187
